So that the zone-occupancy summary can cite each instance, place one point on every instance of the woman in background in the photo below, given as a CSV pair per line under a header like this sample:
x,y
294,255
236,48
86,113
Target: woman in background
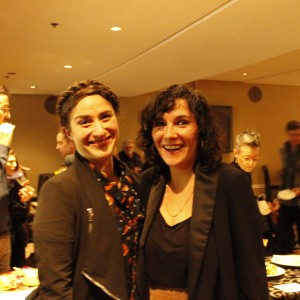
x,y
19,193
202,233
246,157
87,226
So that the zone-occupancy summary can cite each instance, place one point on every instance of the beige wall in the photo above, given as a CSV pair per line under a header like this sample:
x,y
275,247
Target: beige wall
x,y
278,105
34,139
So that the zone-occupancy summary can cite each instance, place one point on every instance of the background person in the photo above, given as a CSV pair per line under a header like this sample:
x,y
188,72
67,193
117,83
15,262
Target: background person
x,y
19,193
202,233
6,135
129,157
246,156
289,212
88,221
66,149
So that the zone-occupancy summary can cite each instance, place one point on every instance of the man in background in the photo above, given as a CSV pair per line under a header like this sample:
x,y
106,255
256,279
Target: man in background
x,y
66,148
289,212
6,135
129,157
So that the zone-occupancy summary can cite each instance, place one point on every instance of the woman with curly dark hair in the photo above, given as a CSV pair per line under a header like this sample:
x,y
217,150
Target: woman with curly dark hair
x,y
202,235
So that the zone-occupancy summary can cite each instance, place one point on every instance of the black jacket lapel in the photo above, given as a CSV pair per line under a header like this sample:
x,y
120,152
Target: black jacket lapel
x,y
203,210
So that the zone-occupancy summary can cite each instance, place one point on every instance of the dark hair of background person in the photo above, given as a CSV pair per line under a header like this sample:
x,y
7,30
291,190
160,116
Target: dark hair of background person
x,y
292,125
79,90
209,150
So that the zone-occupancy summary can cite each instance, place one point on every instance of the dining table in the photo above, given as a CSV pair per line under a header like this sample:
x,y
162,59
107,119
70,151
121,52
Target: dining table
x,y
18,283
285,282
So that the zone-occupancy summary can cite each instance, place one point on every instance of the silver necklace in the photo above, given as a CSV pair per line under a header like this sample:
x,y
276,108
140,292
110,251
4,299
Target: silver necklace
x,y
181,209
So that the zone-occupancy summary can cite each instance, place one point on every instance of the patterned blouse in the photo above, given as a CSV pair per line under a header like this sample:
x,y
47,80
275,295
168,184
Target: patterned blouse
x,y
130,213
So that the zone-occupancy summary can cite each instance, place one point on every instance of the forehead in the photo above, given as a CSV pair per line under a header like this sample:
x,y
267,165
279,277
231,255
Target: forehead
x,y
129,145
4,100
180,107
247,150
295,132
60,137
90,104
11,157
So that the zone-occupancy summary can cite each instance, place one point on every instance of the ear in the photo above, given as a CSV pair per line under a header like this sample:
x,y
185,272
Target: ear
x,y
67,133
235,152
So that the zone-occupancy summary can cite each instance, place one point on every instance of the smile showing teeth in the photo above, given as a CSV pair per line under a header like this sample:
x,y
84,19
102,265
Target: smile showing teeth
x,y
172,147
103,141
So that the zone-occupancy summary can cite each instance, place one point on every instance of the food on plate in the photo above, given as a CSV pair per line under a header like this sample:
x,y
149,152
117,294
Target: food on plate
x,y
271,269
19,279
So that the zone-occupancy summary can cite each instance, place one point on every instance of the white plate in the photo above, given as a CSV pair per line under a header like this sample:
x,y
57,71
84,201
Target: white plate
x,y
279,272
286,195
290,260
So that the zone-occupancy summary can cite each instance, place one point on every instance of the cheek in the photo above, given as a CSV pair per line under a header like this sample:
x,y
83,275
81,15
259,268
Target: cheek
x,y
155,138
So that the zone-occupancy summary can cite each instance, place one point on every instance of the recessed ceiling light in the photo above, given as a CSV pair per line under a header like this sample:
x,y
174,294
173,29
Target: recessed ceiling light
x,y
244,74
116,28
68,67
33,86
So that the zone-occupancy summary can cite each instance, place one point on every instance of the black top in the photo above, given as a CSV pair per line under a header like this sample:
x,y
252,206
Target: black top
x,y
167,254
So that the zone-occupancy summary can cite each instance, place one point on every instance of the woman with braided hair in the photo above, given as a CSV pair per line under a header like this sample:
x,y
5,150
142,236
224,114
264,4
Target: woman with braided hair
x,y
87,226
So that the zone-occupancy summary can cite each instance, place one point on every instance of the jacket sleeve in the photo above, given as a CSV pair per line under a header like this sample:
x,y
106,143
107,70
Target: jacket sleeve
x,y
54,235
246,233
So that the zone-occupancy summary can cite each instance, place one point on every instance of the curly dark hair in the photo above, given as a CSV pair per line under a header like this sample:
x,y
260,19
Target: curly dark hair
x,y
209,150
69,99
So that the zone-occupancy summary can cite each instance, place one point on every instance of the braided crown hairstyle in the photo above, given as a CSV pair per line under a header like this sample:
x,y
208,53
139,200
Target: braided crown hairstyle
x,y
79,90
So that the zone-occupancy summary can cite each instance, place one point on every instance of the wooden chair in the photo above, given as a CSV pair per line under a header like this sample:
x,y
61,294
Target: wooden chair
x,y
269,188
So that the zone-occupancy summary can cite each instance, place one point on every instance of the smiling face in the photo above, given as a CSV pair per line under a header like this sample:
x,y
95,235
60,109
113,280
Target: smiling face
x,y
94,130
175,136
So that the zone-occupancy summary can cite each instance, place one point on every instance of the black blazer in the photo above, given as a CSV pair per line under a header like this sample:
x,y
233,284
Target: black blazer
x,y
79,255
226,255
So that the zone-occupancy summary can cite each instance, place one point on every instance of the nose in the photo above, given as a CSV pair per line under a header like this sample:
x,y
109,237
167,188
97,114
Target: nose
x,y
170,132
98,128
7,115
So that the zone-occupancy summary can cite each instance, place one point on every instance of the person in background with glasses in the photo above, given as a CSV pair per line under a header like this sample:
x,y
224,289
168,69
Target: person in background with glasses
x,y
246,157
6,135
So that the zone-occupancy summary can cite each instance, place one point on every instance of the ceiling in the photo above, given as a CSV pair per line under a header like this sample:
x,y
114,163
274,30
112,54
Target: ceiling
x,y
161,42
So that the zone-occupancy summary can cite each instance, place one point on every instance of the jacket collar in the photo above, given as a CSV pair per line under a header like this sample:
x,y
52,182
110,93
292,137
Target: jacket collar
x,y
201,222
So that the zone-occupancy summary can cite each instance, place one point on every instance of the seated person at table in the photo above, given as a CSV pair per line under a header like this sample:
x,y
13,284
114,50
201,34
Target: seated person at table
x,y
130,158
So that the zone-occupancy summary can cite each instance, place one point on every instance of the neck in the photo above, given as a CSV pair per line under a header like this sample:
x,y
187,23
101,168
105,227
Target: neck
x,y
107,167
180,179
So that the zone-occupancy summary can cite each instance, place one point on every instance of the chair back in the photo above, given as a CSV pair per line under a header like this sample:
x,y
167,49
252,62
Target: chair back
x,y
268,186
